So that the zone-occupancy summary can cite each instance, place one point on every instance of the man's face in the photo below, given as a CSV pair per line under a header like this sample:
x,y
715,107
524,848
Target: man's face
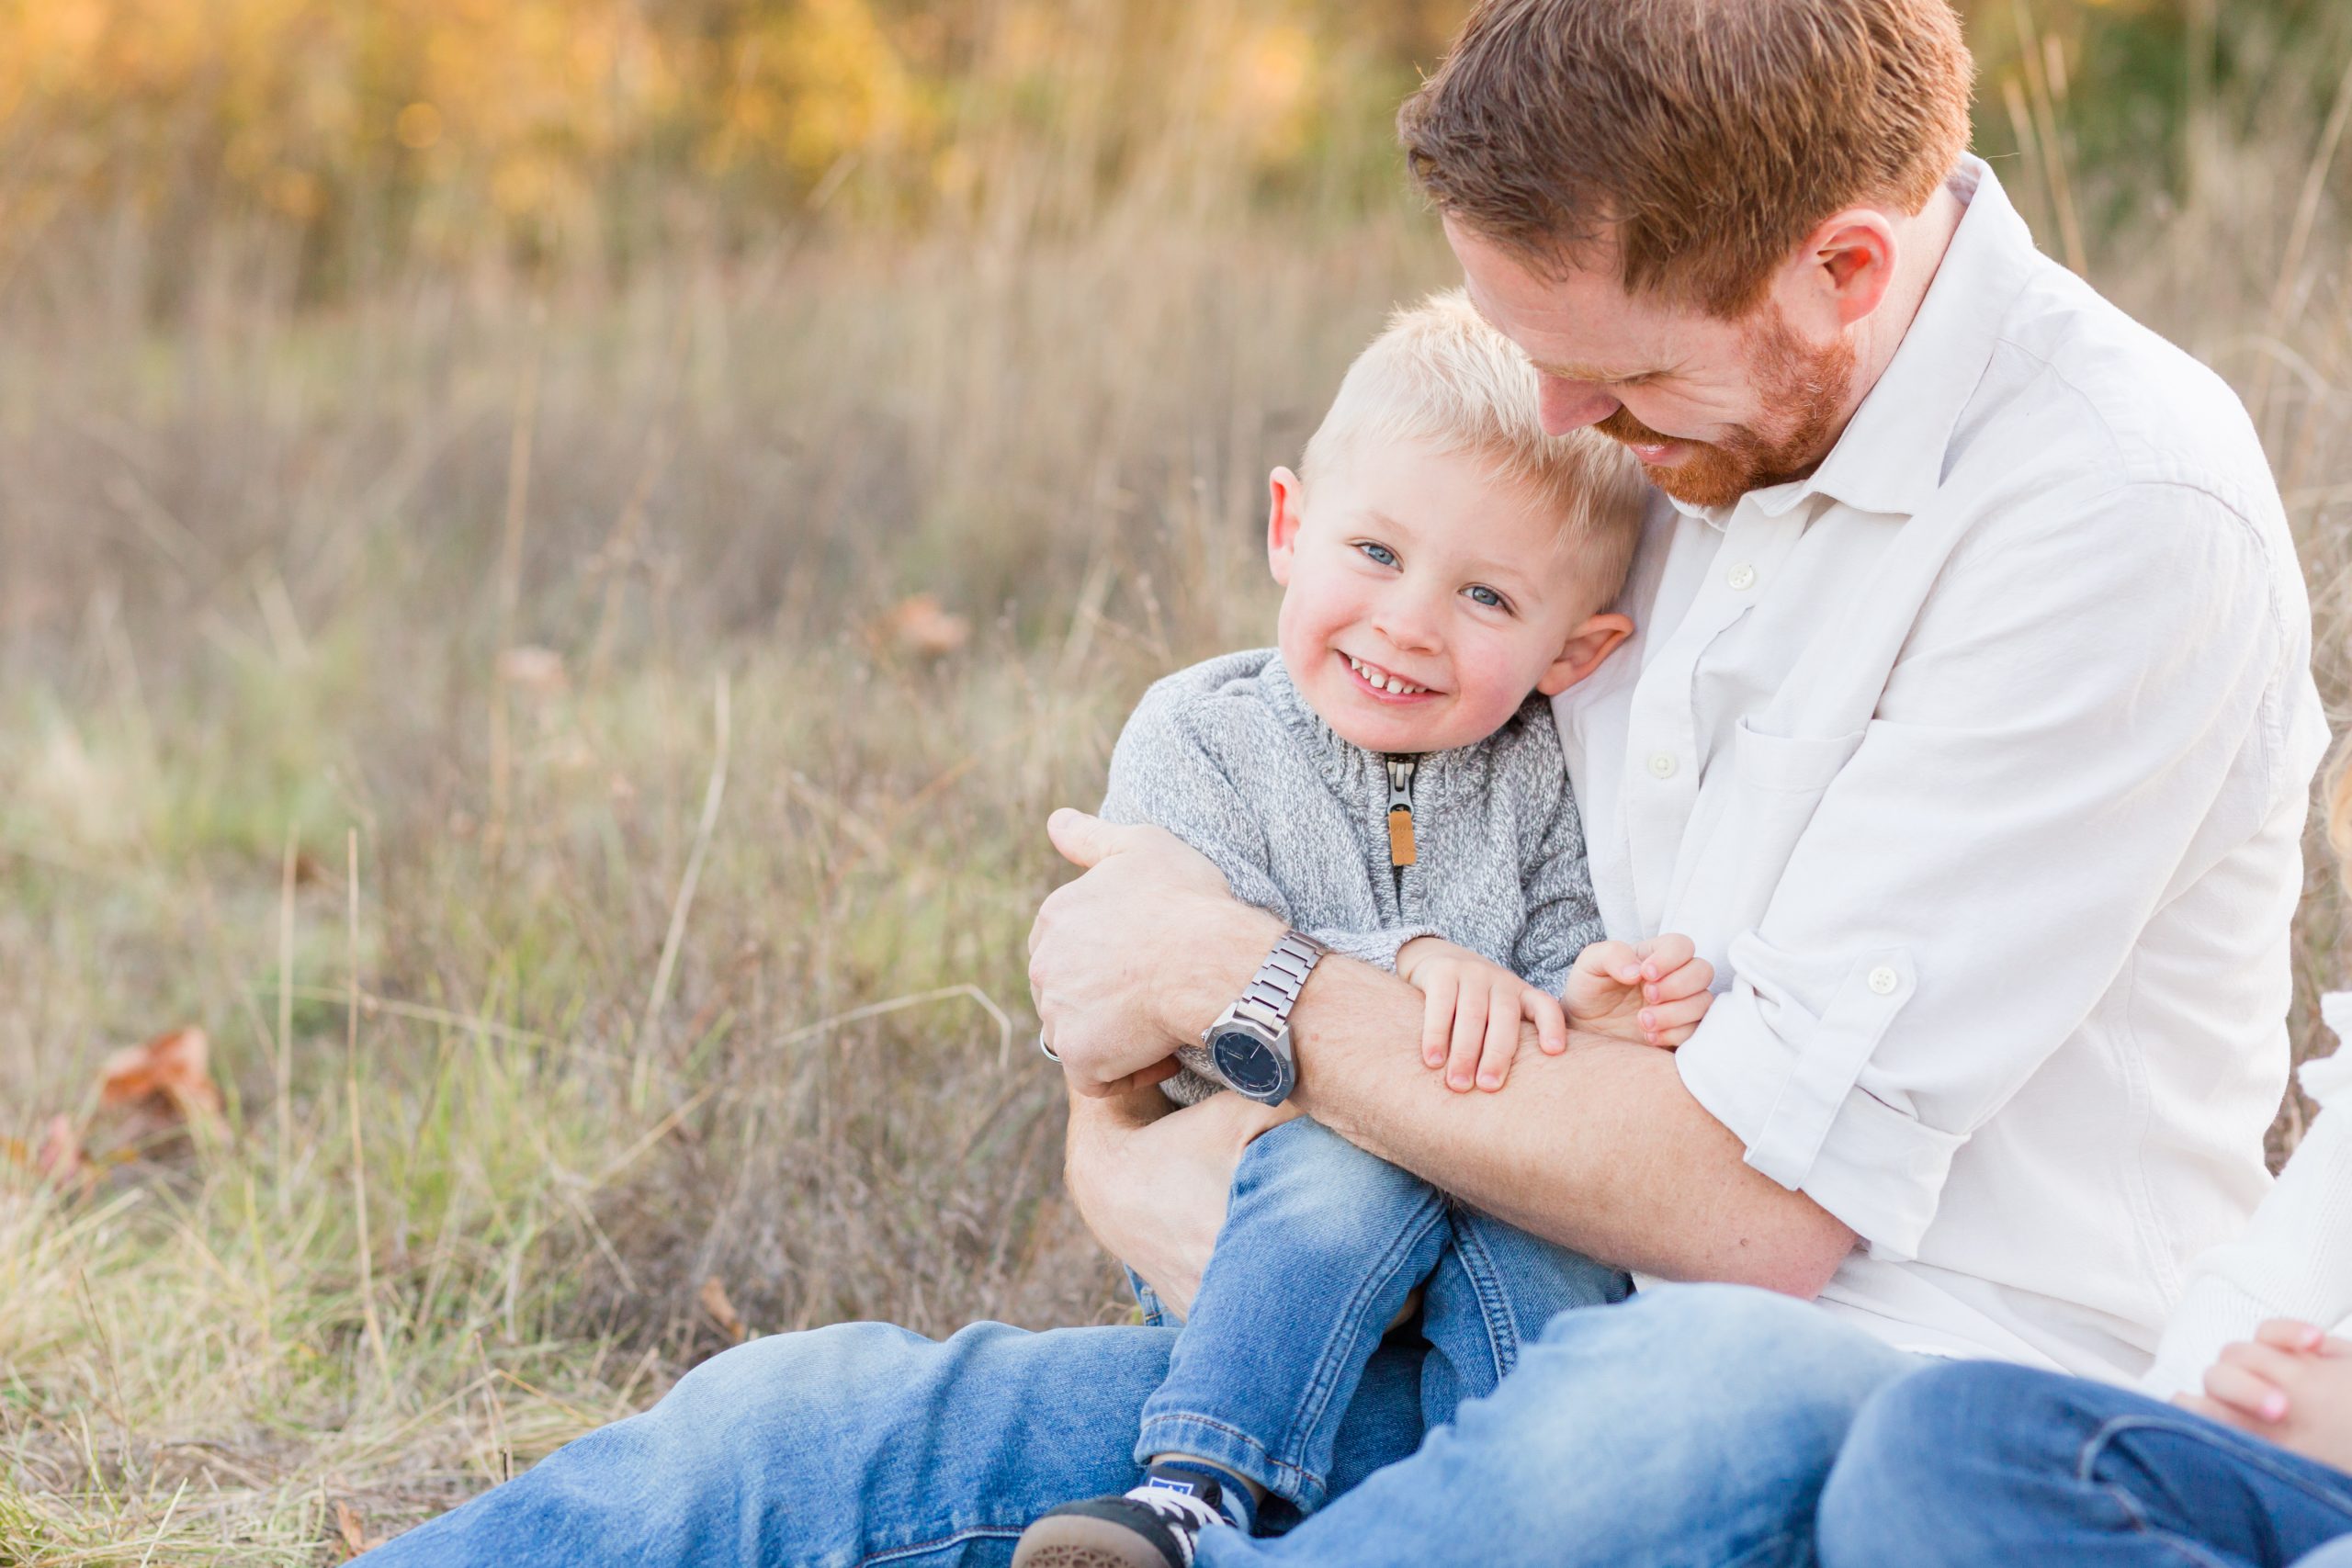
x,y
1712,408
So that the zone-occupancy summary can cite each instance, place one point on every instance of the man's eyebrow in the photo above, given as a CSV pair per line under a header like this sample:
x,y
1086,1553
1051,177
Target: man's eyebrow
x,y
1610,377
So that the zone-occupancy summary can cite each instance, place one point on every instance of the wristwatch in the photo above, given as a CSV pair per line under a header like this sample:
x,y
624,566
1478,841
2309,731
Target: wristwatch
x,y
1249,1043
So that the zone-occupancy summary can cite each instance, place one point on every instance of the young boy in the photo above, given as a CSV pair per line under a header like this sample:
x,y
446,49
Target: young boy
x,y
1389,781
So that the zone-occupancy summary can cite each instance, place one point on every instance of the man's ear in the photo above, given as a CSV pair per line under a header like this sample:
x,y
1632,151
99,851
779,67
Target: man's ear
x,y
1284,493
1844,269
1582,653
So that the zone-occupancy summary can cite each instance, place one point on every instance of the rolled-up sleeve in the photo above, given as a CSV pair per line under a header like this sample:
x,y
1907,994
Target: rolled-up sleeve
x,y
2046,765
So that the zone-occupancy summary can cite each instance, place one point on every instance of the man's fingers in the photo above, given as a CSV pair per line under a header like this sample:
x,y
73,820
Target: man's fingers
x,y
1503,1037
1437,1017
1551,1019
1084,840
1469,1033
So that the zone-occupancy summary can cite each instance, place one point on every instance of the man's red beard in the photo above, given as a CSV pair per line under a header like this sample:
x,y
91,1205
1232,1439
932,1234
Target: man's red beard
x,y
1812,382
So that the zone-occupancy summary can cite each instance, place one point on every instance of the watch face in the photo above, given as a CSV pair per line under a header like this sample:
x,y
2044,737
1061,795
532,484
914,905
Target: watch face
x,y
1249,1064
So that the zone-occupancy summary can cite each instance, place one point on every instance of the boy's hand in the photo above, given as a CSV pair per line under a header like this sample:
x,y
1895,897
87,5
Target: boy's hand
x,y
1470,1023
2290,1384
1653,993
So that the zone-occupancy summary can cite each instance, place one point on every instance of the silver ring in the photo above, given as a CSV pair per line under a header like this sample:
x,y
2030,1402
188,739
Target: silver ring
x,y
1048,1050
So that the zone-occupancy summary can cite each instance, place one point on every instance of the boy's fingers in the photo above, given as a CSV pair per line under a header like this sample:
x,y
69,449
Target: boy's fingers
x,y
1604,957
1677,1015
2273,1366
2291,1334
2244,1392
1503,1037
1551,1021
1437,1018
1669,951
1469,1033
1688,980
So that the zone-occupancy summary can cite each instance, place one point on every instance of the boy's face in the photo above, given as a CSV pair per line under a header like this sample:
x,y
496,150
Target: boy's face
x,y
1425,597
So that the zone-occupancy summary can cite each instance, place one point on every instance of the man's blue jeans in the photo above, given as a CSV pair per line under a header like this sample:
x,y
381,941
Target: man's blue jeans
x,y
1322,1248
1980,1464
1691,1426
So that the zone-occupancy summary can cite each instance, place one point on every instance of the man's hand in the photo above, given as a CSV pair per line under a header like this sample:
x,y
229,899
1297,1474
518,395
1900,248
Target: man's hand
x,y
1471,1013
2290,1384
1151,1181
1651,993
1122,958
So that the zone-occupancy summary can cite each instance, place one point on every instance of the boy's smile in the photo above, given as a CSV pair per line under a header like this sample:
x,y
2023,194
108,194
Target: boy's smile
x,y
1427,592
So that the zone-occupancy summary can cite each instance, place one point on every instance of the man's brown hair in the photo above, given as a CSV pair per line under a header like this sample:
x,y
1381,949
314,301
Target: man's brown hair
x,y
1703,139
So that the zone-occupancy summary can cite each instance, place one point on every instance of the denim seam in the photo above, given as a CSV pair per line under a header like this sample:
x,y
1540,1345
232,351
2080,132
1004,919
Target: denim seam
x,y
2188,1550
2248,1451
923,1547
1329,1367
1502,1333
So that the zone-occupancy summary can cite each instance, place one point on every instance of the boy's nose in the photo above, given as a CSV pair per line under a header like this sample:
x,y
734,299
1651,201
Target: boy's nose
x,y
1409,626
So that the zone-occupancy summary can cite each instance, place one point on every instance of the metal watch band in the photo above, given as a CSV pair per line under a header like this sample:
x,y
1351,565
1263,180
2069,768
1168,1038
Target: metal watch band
x,y
1274,990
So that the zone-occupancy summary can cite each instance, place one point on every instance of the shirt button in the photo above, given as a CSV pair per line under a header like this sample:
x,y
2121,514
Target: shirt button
x,y
1883,980
1663,764
1742,578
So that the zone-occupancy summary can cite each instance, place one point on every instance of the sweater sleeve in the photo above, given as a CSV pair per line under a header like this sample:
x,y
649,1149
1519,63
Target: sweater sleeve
x,y
1562,916
1163,774
2295,1259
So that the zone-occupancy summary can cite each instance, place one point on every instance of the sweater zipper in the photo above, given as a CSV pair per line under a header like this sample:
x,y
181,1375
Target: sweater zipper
x,y
1401,850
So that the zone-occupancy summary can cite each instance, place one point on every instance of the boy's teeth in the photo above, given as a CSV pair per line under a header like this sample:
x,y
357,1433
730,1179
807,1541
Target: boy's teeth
x,y
1381,678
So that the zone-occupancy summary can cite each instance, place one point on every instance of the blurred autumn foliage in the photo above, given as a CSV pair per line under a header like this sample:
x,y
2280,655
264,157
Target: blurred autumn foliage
x,y
362,136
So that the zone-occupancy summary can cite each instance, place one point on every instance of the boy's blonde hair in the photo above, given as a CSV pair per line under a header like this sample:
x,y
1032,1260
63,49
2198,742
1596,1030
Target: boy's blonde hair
x,y
1439,374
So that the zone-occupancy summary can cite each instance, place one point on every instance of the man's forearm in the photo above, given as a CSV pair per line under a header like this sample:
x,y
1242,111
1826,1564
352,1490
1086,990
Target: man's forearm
x,y
1601,1149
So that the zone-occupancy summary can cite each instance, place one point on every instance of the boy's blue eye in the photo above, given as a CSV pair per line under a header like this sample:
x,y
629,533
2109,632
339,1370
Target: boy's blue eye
x,y
1379,554
1481,595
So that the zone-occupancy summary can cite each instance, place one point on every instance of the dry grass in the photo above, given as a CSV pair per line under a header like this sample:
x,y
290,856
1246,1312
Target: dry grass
x,y
256,574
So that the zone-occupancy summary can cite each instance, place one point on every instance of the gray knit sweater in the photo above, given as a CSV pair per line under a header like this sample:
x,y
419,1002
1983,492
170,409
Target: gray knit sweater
x,y
1228,757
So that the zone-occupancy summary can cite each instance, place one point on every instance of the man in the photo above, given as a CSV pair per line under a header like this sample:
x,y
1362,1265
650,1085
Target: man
x,y
1968,730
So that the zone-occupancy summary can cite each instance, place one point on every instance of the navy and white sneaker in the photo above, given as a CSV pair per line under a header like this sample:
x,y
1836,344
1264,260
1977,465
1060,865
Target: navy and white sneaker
x,y
1155,1526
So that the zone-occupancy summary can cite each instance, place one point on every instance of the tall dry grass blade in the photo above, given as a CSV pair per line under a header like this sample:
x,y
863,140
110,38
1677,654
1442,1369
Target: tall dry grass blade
x,y
2042,95
510,585
375,1329
713,794
286,1020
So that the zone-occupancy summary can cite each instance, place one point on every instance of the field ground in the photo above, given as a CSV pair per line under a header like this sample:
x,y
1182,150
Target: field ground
x,y
692,848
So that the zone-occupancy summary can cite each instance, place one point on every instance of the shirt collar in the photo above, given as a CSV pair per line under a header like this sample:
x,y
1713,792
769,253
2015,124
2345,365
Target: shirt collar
x,y
1891,457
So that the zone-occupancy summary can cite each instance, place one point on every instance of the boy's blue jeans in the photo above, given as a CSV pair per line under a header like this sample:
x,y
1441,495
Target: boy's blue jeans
x,y
1322,1248
1979,1465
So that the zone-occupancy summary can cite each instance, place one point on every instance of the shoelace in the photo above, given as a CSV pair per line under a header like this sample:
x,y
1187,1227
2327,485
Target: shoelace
x,y
1188,1513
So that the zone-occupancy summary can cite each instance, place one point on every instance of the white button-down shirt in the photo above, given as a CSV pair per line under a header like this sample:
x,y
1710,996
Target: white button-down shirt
x,y
1977,764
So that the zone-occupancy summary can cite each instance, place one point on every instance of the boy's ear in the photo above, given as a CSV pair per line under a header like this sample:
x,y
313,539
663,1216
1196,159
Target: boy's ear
x,y
1582,653
1284,493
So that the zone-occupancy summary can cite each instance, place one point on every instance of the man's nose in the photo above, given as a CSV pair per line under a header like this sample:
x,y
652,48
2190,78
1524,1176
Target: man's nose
x,y
1568,405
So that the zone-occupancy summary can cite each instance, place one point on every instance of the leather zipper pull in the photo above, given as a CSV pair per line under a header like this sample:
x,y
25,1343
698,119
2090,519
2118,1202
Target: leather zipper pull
x,y
1400,812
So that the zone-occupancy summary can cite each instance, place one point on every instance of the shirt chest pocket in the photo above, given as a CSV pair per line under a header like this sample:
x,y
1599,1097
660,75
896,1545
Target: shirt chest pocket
x,y
1777,782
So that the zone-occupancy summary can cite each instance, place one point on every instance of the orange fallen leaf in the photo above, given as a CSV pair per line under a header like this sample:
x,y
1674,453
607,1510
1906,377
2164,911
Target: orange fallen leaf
x,y
920,624
355,1535
722,1311
168,1074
